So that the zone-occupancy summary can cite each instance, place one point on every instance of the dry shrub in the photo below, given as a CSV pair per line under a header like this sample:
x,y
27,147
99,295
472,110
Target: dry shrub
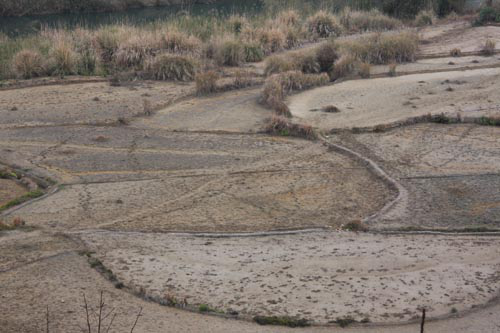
x,y
392,70
64,58
175,41
28,64
278,64
326,55
271,40
343,67
242,79
307,63
324,24
356,226
107,41
364,70
206,82
425,18
456,52
172,67
134,52
384,48
489,47
230,53
374,20
252,52
282,126
292,38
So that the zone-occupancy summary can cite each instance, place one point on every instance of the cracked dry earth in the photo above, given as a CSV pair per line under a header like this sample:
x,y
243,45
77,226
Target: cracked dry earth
x,y
186,203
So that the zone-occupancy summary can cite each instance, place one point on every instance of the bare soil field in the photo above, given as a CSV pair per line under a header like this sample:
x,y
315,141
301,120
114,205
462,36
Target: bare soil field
x,y
183,198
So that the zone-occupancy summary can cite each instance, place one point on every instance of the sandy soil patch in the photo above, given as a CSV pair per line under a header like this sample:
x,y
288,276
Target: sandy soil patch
x,y
320,277
366,103
86,103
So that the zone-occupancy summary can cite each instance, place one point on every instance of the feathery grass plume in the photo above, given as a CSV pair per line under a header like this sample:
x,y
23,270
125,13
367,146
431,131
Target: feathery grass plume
x,y
324,24
384,48
278,64
28,64
343,67
172,67
326,55
373,20
489,47
230,53
206,82
425,18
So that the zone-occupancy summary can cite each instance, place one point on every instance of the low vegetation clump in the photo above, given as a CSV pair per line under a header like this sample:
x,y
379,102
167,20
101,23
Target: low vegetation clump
x,y
384,48
278,64
22,199
489,14
392,70
324,24
362,21
356,226
28,64
172,67
16,223
307,63
326,55
282,126
488,47
364,70
345,321
343,67
281,321
456,52
489,121
64,59
252,52
425,18
206,82
230,53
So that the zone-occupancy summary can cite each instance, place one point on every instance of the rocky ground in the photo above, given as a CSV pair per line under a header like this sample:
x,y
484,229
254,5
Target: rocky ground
x,y
162,197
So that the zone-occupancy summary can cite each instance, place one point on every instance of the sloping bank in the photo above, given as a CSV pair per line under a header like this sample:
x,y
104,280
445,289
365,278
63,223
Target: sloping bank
x,y
39,7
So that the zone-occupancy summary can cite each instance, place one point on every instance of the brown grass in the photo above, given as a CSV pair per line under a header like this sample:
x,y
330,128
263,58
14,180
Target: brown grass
x,y
361,21
326,55
343,67
172,67
206,82
323,24
364,70
488,47
27,64
282,126
278,64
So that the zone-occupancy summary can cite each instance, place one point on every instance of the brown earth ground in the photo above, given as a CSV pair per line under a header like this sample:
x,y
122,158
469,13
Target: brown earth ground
x,y
126,184
9,190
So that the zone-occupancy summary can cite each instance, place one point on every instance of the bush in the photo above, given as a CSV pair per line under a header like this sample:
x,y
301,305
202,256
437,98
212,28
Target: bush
x,y
179,42
392,70
133,53
230,53
272,40
206,82
87,63
282,126
278,64
289,18
456,52
237,23
384,48
28,64
364,70
487,15
107,41
489,47
172,67
326,55
292,38
356,226
324,24
424,18
253,52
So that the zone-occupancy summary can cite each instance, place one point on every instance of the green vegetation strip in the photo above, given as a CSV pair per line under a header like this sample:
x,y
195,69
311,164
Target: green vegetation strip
x,y
22,199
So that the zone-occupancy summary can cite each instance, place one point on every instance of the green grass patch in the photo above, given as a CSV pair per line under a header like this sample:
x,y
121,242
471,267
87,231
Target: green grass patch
x,y
22,199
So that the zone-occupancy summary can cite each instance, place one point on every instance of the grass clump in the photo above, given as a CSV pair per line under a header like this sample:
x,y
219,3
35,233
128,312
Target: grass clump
x,y
230,53
425,18
456,52
345,321
307,63
343,67
28,64
278,64
282,126
488,47
64,58
180,42
364,70
488,15
489,121
392,70
323,24
361,21
326,55
252,52
206,82
384,48
22,199
17,223
281,321
356,226
172,67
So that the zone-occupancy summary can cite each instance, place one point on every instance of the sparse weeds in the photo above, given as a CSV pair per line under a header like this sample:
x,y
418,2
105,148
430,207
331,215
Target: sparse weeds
x,y
364,70
206,82
488,47
356,226
282,126
345,321
373,20
281,321
425,18
456,52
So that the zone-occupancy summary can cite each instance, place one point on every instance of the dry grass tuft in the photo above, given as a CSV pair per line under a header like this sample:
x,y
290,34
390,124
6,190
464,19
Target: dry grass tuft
x,y
206,82
456,52
172,67
278,64
489,47
361,21
28,64
425,18
307,63
230,53
384,48
392,70
252,52
364,70
324,24
284,127
175,41
326,55
288,18
65,59
343,67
